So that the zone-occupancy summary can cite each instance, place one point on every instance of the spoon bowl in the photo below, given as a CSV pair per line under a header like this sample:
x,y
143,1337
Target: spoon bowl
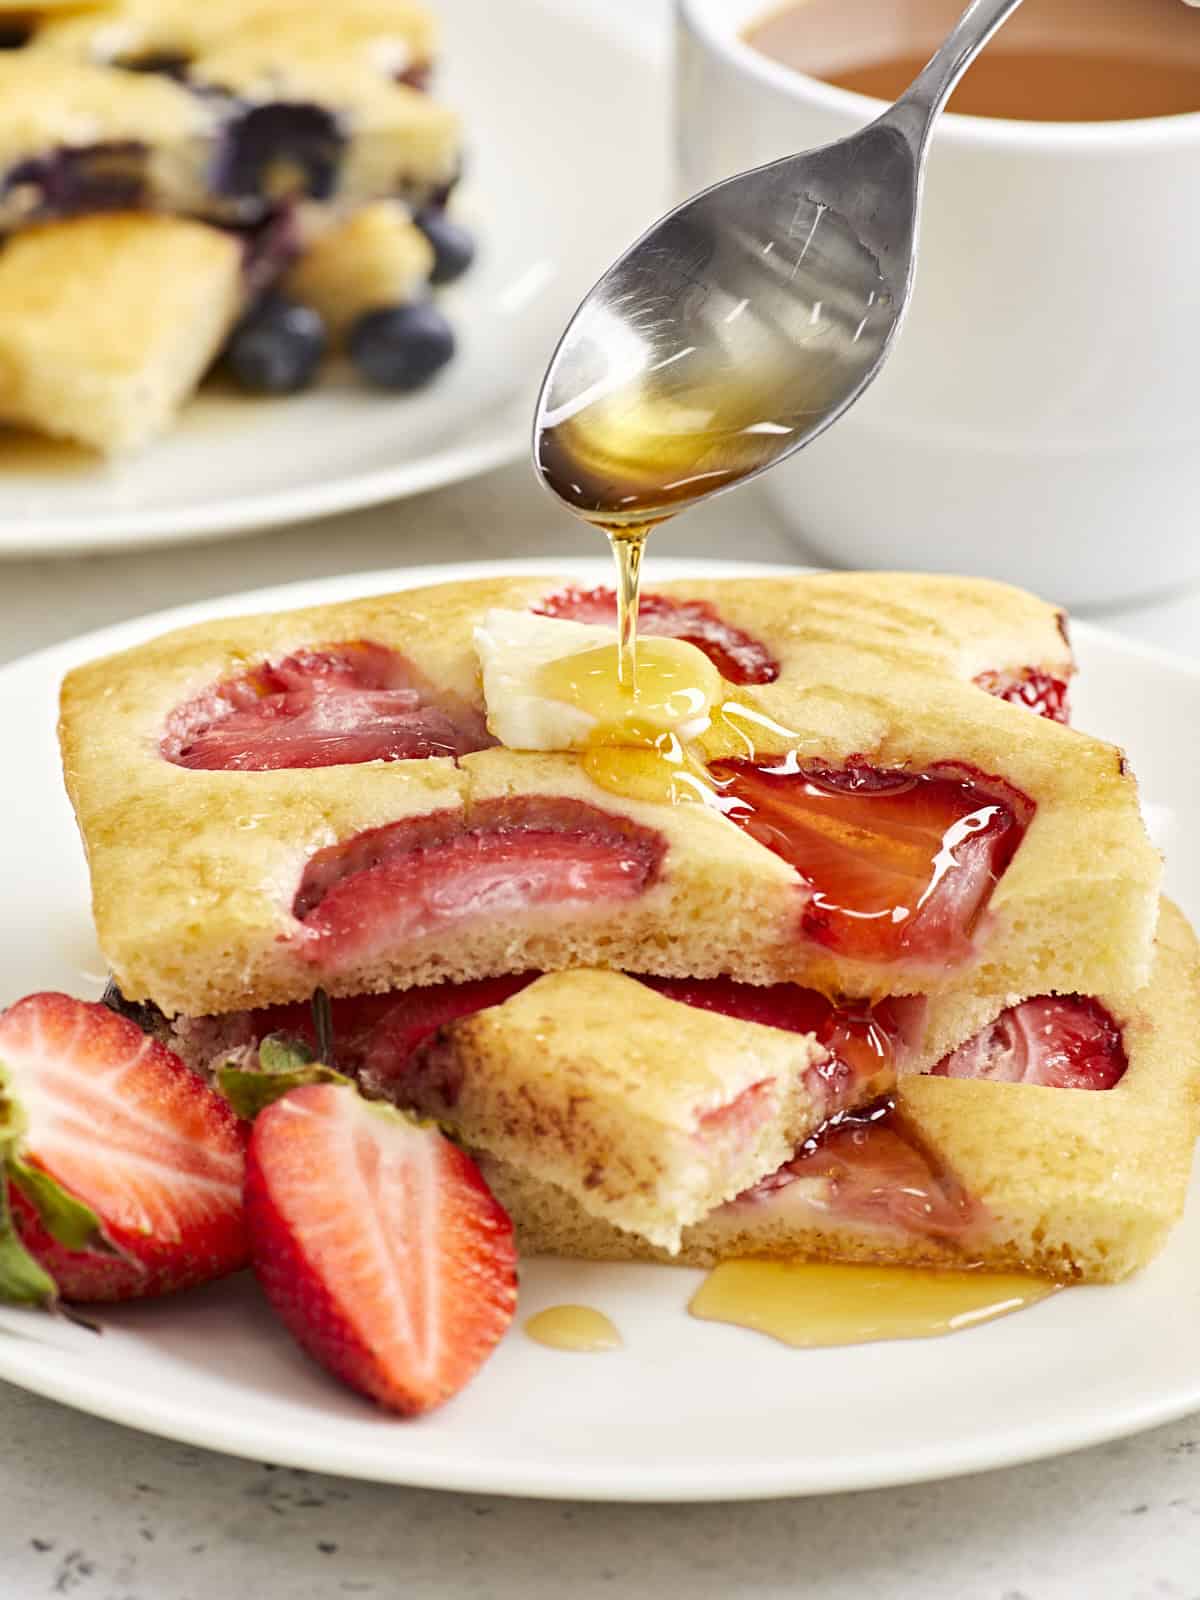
x,y
747,320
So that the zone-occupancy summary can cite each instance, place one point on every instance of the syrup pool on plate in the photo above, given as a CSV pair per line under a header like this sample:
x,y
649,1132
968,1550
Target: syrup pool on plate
x,y
579,1328
811,1305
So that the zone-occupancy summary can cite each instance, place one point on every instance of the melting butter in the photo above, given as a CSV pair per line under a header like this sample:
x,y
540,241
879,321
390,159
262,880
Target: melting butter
x,y
578,1328
676,685
810,1305
640,743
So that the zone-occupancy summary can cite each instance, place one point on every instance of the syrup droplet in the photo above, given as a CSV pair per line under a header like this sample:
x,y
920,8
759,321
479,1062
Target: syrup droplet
x,y
811,1305
578,1328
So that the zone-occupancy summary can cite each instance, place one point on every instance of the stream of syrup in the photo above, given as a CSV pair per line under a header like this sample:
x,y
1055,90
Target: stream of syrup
x,y
626,460
628,546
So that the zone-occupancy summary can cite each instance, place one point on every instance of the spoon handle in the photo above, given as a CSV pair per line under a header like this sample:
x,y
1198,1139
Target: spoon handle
x,y
914,113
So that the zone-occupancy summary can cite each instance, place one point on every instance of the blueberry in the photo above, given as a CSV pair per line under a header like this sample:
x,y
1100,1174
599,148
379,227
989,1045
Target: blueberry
x,y
453,246
401,347
277,348
279,150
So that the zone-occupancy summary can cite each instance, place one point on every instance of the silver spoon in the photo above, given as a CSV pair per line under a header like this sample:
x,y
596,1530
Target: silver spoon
x,y
748,319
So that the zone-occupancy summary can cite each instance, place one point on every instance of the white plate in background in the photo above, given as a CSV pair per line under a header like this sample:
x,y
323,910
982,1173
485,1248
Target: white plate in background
x,y
565,127
686,1410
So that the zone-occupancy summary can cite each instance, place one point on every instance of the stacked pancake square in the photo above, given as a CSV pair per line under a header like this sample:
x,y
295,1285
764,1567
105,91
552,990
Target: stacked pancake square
x,y
896,988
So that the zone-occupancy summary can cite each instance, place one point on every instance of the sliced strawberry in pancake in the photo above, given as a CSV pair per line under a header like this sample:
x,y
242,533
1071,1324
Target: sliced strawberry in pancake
x,y
866,1168
776,1005
341,704
1038,691
737,656
399,882
1059,1041
900,865
866,1044
374,1035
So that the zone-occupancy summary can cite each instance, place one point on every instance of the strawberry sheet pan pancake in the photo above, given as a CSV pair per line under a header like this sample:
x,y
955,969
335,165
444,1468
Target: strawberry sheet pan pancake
x,y
683,1409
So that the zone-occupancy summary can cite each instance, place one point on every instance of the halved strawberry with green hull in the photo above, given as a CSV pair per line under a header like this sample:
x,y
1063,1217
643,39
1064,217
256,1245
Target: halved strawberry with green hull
x,y
378,1244
123,1168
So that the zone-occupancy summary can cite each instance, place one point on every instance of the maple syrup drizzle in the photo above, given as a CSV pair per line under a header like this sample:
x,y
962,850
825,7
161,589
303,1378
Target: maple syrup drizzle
x,y
636,748
625,459
665,772
628,545
675,687
812,1305
578,1328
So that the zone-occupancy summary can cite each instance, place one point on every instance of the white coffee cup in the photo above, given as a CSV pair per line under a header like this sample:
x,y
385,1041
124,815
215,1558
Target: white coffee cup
x,y
1039,419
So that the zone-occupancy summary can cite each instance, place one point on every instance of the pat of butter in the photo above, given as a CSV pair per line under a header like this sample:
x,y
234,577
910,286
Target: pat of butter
x,y
551,684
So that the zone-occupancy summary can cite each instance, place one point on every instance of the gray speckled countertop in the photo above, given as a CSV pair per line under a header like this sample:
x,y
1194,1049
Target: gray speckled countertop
x,y
94,1511
91,1510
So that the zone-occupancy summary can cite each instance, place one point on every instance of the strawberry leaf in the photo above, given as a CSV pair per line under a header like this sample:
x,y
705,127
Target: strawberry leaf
x,y
23,1281
278,1053
12,1117
72,1223
283,1065
66,1219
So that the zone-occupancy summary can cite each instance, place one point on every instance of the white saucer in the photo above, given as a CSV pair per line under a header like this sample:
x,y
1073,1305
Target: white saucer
x,y
565,123
687,1410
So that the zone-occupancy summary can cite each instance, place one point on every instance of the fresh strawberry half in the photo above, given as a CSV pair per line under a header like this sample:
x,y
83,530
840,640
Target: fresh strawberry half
x,y
1038,691
866,1044
327,707
394,884
124,1169
378,1244
900,865
1059,1041
737,656
865,1168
